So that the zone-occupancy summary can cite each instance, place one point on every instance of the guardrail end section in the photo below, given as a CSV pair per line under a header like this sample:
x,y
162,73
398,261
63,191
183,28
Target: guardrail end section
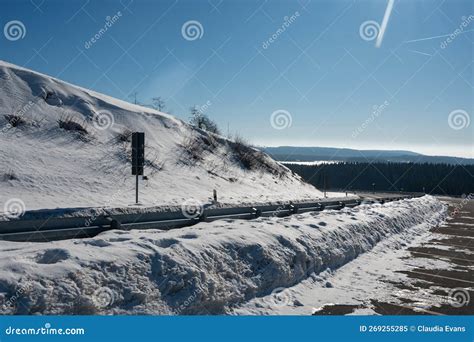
x,y
115,224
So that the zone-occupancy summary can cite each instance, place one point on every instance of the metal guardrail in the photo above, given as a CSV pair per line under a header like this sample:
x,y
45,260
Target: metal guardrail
x,y
76,227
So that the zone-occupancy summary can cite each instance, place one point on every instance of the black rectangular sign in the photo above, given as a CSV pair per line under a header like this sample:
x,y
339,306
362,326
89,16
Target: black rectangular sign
x,y
138,152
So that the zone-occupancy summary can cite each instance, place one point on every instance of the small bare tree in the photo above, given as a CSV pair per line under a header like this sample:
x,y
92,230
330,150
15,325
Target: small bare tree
x,y
133,96
202,121
158,103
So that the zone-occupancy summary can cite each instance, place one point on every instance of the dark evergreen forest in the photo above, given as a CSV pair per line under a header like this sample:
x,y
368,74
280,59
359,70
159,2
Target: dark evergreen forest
x,y
440,179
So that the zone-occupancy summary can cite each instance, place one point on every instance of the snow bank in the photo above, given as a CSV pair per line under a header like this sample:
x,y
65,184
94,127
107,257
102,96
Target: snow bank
x,y
205,269
374,276
46,166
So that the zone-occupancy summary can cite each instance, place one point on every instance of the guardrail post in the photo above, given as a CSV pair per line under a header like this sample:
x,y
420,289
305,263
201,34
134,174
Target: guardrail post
x,y
292,208
114,224
256,212
203,216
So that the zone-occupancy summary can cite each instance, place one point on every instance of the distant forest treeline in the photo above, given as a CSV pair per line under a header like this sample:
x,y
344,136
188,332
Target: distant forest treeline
x,y
442,179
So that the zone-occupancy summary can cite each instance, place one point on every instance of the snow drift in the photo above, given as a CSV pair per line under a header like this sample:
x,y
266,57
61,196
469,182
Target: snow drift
x,y
65,146
209,268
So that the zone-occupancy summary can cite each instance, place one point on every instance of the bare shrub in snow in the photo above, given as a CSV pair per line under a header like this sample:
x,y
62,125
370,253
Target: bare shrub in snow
x,y
196,145
158,103
252,159
68,123
15,120
124,135
244,153
9,175
153,162
202,121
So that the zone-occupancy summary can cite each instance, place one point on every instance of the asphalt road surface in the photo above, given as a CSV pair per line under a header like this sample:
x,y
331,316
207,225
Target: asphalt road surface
x,y
454,246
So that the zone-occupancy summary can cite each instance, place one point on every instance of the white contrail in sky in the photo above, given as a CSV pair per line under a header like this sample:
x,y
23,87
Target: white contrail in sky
x,y
434,37
421,53
383,27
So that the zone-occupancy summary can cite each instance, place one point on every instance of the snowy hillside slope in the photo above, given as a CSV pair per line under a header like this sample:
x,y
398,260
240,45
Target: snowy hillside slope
x,y
48,166
209,268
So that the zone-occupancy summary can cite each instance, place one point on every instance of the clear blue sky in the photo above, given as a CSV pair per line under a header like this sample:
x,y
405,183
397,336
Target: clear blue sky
x,y
318,69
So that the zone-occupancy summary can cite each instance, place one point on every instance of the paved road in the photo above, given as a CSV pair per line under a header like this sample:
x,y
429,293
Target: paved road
x,y
453,244
457,248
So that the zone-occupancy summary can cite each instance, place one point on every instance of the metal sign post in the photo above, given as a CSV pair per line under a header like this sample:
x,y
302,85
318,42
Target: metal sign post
x,y
138,157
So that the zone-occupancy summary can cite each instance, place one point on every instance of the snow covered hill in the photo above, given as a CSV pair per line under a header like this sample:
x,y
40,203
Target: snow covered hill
x,y
65,146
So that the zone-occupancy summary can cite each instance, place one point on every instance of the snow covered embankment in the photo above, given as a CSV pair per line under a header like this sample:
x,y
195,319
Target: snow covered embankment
x,y
207,268
85,137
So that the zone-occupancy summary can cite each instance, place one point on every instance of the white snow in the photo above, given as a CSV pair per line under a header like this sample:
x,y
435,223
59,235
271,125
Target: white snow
x,y
220,267
372,276
228,266
47,167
